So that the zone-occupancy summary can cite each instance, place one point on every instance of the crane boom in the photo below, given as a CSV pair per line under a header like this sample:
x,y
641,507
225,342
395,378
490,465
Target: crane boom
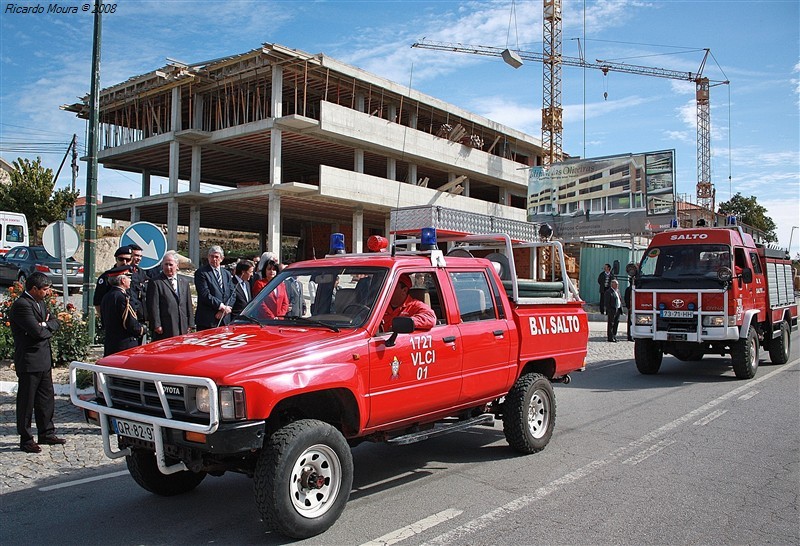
x,y
551,101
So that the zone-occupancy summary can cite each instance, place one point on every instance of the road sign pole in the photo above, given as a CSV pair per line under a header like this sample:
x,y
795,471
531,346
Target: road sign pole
x,y
62,252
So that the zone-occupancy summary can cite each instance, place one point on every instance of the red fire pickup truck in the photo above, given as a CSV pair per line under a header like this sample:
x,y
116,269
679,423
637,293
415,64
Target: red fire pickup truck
x,y
283,399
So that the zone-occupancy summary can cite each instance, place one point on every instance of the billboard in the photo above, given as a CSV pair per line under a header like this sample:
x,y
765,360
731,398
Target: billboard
x,y
613,184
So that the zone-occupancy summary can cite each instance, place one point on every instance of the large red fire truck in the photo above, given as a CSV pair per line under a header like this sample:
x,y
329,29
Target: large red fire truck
x,y
704,291
282,399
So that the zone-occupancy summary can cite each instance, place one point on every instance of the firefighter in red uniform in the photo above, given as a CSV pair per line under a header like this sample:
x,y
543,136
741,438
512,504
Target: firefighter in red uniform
x,y
403,305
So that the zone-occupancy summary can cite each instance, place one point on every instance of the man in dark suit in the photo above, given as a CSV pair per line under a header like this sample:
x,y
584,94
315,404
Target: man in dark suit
x,y
123,329
242,286
32,327
214,292
614,310
604,281
169,303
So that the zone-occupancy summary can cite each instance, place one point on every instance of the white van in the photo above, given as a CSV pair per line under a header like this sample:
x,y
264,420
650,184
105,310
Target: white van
x,y
13,230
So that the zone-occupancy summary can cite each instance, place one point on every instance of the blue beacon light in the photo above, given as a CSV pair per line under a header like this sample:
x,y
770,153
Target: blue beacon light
x,y
337,243
428,239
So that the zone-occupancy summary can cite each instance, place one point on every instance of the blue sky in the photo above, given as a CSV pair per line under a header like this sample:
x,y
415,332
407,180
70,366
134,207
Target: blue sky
x,y
45,62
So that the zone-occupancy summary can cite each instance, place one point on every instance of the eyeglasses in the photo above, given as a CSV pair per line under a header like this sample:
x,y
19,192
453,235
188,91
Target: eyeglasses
x,y
121,259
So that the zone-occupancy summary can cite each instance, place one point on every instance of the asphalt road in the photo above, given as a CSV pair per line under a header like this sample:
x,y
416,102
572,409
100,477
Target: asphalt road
x,y
689,456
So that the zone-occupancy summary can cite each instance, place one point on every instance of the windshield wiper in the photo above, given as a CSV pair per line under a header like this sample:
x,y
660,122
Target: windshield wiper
x,y
248,318
305,320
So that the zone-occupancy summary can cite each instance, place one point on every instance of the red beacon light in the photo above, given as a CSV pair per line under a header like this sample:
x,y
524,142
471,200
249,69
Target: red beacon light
x,y
376,243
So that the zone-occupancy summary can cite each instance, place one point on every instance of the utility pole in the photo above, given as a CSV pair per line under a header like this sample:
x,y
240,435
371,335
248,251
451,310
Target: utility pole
x,y
74,174
90,225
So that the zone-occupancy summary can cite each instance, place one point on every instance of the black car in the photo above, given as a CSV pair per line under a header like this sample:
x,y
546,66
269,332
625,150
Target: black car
x,y
21,261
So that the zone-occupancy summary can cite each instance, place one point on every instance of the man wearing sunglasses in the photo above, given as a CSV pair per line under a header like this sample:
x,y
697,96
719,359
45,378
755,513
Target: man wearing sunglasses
x,y
122,256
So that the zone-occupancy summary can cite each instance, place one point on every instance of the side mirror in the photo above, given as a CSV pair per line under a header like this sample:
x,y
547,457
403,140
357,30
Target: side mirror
x,y
747,275
400,325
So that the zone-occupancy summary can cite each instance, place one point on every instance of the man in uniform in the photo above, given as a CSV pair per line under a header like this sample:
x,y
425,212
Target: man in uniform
x,y
138,283
123,257
403,305
123,329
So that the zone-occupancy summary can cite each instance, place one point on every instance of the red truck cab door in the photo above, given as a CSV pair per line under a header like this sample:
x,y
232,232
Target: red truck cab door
x,y
421,372
746,290
484,332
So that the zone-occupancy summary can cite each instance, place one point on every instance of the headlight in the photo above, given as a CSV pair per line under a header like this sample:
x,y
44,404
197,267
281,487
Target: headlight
x,y
201,400
231,403
643,320
717,321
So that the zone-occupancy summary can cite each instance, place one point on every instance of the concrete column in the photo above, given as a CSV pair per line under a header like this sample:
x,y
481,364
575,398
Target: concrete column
x,y
358,230
197,115
276,106
262,241
145,183
194,235
197,155
505,196
135,214
175,113
392,110
274,225
412,174
391,168
174,165
465,183
361,101
172,223
358,161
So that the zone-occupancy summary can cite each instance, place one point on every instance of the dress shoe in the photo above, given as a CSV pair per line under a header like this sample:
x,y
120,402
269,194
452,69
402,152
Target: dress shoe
x,y
30,447
52,440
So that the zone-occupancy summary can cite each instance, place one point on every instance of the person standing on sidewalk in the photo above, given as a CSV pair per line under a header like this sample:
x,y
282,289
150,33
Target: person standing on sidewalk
x,y
32,327
614,310
604,281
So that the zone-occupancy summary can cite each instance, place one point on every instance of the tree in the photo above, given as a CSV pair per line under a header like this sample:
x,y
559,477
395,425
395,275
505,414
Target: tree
x,y
748,211
31,192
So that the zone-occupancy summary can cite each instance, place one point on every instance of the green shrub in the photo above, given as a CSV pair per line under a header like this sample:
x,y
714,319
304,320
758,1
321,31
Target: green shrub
x,y
70,342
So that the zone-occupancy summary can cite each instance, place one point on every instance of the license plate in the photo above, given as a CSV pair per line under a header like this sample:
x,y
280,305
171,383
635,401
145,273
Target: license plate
x,y
666,313
133,430
676,337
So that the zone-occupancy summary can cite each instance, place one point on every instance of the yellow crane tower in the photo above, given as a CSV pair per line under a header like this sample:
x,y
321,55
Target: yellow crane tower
x,y
552,60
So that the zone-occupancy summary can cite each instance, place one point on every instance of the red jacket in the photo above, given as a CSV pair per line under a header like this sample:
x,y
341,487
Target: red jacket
x,y
423,316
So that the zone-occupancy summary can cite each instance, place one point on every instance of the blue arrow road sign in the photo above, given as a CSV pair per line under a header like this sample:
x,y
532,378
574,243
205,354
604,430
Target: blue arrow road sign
x,y
150,238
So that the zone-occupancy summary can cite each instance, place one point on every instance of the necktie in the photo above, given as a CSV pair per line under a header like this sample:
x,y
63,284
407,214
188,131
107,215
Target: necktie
x,y
246,292
174,282
218,275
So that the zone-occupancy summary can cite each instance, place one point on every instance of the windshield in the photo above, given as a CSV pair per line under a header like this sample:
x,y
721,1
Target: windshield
x,y
684,262
333,297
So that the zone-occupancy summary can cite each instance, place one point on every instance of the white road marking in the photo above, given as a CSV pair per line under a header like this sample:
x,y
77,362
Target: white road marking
x,y
383,482
610,365
460,534
84,480
748,395
645,453
710,417
414,529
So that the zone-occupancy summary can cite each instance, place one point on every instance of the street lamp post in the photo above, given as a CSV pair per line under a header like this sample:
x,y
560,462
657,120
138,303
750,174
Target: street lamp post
x,y
791,236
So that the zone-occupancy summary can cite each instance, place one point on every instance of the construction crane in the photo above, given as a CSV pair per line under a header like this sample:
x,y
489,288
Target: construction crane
x,y
552,59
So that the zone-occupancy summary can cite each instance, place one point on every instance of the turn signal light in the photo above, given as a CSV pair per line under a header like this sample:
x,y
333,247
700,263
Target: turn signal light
x,y
194,437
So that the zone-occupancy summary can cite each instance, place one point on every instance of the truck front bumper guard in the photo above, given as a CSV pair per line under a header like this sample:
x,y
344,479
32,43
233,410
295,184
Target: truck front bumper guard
x,y
158,423
689,329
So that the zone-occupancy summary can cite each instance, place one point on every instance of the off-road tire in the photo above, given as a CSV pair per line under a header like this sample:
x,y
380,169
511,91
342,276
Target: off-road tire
x,y
648,356
744,355
296,455
780,347
144,471
529,413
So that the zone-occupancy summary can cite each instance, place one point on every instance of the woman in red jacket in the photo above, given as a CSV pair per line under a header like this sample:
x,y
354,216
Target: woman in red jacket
x,y
276,304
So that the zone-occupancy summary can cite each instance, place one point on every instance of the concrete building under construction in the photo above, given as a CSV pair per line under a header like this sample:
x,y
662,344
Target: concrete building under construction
x,y
300,145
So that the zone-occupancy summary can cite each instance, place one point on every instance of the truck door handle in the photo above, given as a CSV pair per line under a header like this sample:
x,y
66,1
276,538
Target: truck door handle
x,y
449,339
498,333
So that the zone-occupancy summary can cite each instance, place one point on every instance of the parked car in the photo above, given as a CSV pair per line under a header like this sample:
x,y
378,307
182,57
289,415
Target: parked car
x,y
21,261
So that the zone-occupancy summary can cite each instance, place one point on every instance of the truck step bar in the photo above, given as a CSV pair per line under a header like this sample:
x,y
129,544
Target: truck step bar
x,y
442,428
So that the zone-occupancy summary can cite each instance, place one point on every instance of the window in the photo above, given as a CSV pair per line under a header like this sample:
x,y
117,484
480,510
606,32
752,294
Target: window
x,y
473,295
14,233
756,263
